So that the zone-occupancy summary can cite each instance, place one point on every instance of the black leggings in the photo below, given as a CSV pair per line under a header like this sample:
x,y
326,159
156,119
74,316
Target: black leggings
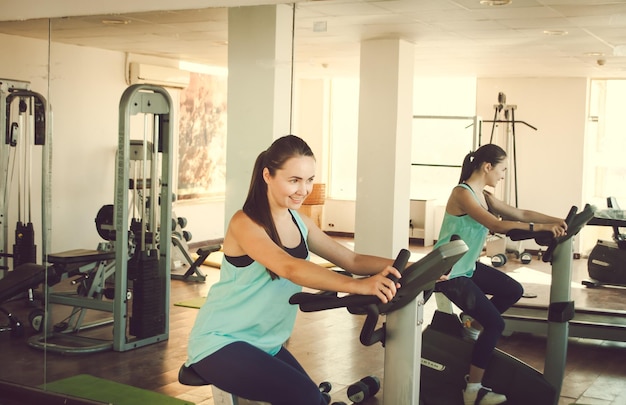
x,y
469,295
248,372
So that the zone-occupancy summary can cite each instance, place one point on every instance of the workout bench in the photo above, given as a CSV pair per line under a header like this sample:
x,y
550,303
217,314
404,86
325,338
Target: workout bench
x,y
23,278
93,268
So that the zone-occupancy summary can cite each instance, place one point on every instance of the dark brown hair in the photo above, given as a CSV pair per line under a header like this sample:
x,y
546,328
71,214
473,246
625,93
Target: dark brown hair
x,y
256,205
488,153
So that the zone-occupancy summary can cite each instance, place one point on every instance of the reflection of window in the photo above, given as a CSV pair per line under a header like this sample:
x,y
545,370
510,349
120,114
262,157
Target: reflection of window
x,y
606,141
438,147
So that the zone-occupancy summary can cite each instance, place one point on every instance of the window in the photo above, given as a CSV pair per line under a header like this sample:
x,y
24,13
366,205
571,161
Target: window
x,y
606,142
438,147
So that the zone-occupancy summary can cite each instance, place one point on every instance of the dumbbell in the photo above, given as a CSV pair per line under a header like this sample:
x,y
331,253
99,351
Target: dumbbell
x,y
325,388
526,257
498,260
363,389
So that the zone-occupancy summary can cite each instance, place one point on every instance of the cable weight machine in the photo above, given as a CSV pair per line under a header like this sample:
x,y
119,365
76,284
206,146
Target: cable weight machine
x,y
24,125
497,245
142,261
23,121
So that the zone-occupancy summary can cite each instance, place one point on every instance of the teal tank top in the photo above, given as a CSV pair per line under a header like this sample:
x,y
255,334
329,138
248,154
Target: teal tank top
x,y
472,232
245,305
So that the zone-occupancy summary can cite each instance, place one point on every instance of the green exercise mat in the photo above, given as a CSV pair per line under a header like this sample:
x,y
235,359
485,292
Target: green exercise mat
x,y
90,387
192,303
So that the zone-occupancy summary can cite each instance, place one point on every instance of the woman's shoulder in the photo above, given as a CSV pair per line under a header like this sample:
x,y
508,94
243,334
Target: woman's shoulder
x,y
461,191
240,219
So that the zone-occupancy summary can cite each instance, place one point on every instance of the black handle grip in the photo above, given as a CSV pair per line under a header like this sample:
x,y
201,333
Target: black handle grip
x,y
400,263
547,256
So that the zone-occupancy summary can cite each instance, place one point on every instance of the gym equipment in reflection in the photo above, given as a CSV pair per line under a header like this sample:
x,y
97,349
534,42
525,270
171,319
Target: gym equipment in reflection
x,y
23,120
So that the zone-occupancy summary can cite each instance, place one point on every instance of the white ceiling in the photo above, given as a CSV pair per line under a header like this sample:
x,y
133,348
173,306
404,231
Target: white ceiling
x,y
451,37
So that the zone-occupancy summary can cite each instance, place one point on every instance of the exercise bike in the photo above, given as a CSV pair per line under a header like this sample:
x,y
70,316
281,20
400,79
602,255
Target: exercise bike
x,y
446,355
401,332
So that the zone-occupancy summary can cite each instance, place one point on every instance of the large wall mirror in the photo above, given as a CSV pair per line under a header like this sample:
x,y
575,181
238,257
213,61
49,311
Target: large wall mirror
x,y
69,187
60,192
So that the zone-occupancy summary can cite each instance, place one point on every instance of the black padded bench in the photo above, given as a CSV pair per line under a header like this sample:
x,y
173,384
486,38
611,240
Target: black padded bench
x,y
23,278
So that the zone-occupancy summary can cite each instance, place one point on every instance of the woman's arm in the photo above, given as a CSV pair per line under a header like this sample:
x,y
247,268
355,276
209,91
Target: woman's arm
x,y
510,213
249,238
513,218
323,245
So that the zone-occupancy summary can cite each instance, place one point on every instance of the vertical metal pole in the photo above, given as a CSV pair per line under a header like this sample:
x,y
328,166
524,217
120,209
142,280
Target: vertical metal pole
x,y
403,353
558,332
120,215
4,183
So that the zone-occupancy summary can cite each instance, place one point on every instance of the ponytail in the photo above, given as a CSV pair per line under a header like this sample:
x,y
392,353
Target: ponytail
x,y
257,206
488,153
468,167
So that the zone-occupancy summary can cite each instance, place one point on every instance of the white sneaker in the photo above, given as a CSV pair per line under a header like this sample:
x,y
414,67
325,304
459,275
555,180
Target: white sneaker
x,y
476,394
469,332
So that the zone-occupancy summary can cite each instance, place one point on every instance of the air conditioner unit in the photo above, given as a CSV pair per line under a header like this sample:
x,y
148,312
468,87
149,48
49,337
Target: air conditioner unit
x,y
158,75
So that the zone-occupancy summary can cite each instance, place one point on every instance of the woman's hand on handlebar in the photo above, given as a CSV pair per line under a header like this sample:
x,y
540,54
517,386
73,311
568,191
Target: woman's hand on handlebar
x,y
380,285
558,229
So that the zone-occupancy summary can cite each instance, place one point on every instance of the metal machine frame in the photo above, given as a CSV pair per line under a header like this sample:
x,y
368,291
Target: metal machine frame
x,y
154,103
10,90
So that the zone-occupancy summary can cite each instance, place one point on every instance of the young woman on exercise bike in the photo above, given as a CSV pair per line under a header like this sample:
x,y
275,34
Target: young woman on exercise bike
x,y
471,212
238,340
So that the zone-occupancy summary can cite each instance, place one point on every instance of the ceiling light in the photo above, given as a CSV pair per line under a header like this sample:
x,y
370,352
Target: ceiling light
x,y
555,33
112,21
619,50
594,53
496,2
320,26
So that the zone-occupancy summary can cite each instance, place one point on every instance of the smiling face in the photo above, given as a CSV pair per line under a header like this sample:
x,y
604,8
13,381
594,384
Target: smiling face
x,y
496,172
292,183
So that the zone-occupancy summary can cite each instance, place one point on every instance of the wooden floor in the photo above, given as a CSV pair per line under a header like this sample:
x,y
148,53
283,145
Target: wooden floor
x,y
327,345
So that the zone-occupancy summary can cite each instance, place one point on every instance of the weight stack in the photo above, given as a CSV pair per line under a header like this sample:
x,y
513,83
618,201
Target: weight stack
x,y
24,249
148,316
